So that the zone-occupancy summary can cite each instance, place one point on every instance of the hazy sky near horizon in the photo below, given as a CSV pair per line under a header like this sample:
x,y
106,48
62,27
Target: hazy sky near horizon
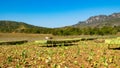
x,y
55,13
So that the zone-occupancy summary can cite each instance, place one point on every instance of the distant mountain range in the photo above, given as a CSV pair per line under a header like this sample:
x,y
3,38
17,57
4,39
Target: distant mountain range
x,y
94,21
100,20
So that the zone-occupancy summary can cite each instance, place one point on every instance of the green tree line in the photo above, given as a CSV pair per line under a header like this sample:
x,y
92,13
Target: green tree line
x,y
105,30
20,27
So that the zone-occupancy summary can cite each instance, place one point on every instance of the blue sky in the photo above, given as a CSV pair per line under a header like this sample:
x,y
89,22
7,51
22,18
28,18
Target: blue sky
x,y
55,13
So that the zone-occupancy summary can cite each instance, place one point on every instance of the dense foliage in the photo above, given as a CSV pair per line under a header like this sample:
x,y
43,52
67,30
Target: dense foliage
x,y
20,27
87,31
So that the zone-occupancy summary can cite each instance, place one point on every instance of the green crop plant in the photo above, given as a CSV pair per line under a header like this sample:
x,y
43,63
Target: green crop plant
x,y
95,64
62,54
24,54
48,60
89,59
76,63
18,66
38,53
82,66
56,66
50,52
9,59
78,50
104,60
111,59
104,52
91,53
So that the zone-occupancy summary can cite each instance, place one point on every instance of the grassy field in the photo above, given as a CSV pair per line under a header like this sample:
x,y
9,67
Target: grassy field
x,y
87,54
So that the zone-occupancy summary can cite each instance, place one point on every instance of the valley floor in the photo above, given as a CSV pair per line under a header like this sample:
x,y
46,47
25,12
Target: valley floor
x,y
87,54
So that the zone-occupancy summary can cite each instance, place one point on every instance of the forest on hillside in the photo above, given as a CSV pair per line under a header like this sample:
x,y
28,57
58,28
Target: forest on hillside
x,y
20,27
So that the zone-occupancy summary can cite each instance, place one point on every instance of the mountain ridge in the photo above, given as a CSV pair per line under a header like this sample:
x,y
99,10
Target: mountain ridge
x,y
100,20
101,25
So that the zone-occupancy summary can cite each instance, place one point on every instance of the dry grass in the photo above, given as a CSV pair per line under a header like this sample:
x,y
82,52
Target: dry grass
x,y
88,54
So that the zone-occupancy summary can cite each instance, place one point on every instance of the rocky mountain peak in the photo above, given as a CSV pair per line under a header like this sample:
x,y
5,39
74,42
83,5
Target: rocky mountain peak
x,y
95,19
100,20
115,15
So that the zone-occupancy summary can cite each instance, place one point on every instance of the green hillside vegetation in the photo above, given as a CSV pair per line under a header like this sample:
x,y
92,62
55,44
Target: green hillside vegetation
x,y
105,30
20,27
